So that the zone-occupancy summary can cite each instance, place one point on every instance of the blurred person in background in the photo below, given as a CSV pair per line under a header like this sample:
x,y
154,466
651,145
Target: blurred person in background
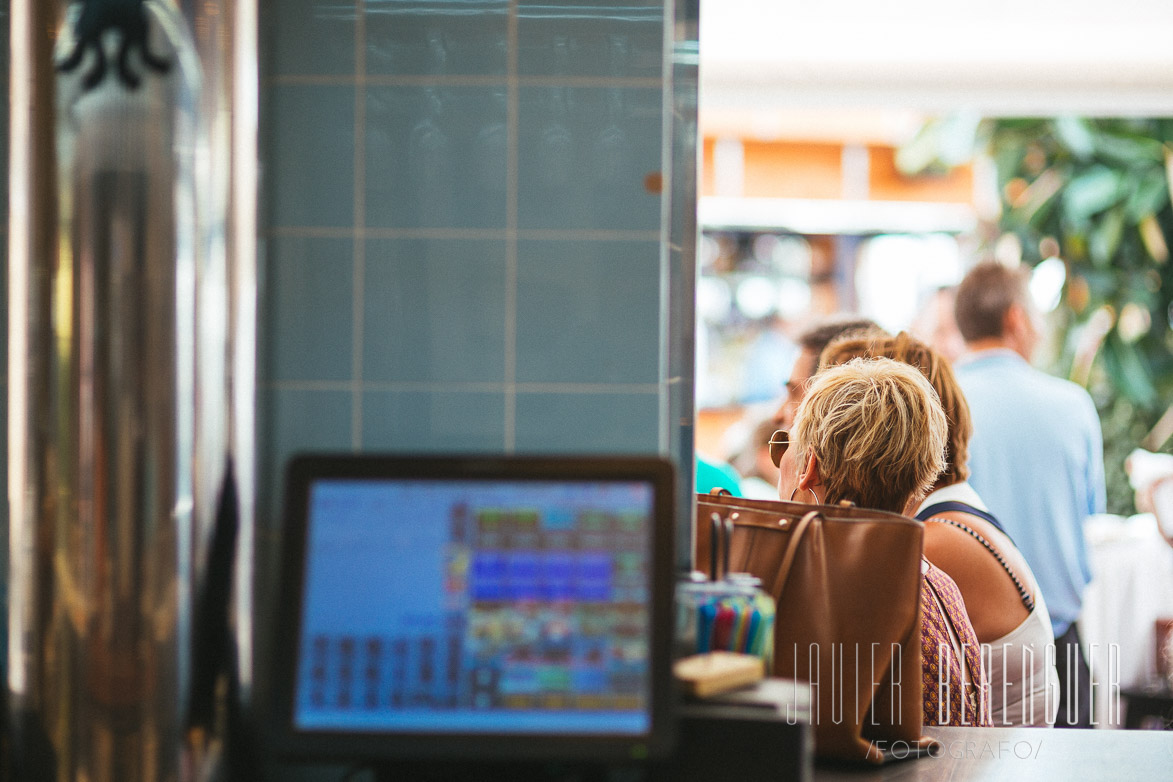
x,y
1002,597
769,357
811,344
1036,458
936,326
712,474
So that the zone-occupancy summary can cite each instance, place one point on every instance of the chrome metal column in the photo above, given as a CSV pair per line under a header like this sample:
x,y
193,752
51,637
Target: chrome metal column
x,y
131,271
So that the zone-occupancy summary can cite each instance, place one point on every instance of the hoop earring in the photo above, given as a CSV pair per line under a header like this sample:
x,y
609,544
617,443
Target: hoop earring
x,y
812,491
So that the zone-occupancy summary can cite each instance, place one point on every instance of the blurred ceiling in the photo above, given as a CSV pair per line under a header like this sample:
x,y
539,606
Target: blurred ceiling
x,y
866,71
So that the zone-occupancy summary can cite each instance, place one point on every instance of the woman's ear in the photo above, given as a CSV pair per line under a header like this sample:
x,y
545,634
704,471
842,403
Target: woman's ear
x,y
808,476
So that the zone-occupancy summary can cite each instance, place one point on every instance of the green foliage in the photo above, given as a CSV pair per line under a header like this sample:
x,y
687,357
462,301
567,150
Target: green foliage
x,y
1123,429
1095,192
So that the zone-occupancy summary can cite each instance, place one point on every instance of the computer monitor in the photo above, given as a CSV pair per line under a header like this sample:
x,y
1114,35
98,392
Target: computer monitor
x,y
512,608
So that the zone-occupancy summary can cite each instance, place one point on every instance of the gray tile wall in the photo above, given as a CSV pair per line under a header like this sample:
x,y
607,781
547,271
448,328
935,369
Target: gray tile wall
x,y
463,253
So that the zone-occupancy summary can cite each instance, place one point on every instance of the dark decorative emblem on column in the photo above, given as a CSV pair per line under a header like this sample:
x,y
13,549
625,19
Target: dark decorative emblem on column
x,y
129,19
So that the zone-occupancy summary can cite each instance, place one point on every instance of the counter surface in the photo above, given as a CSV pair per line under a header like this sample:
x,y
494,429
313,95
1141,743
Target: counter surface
x,y
1033,754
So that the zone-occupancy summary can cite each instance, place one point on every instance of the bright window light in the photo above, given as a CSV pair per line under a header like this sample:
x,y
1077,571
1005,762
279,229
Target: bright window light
x,y
1046,283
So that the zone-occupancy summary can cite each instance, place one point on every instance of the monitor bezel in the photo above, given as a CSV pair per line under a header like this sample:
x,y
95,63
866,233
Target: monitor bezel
x,y
289,740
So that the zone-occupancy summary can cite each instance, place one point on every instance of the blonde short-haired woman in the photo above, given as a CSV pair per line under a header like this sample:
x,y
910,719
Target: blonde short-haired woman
x,y
872,432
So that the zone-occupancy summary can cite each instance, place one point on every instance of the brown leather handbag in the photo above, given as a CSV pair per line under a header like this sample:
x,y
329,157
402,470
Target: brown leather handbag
x,y
847,584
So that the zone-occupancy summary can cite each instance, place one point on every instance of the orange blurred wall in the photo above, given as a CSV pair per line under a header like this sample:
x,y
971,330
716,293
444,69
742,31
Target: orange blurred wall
x,y
802,169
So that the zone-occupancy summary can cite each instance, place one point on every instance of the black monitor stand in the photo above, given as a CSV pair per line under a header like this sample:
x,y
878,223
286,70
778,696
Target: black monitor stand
x,y
511,771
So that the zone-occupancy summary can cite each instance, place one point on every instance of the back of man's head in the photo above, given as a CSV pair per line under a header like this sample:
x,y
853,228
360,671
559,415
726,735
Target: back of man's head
x,y
984,297
812,342
816,338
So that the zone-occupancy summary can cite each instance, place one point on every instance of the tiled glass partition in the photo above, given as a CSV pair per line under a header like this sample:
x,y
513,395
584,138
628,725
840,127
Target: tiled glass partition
x,y
467,224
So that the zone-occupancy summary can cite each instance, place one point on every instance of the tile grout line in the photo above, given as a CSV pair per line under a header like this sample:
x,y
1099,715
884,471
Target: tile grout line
x,y
667,158
471,387
358,299
469,234
511,206
469,80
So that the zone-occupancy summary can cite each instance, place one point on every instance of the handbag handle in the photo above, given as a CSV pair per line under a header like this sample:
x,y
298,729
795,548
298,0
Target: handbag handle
x,y
714,542
726,543
791,552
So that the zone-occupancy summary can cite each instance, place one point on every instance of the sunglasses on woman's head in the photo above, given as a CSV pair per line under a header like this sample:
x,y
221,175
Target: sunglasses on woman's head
x,y
779,442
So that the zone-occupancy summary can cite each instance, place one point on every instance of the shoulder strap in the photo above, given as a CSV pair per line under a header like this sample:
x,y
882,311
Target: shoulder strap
x,y
962,507
1027,600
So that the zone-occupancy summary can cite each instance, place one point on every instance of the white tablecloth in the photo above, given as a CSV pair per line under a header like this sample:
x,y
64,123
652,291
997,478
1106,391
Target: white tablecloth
x,y
1132,586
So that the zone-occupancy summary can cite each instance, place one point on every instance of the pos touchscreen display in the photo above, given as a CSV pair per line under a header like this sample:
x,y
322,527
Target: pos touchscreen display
x,y
463,608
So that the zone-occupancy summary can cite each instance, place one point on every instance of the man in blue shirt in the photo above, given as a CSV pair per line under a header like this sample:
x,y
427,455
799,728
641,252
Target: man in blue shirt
x,y
1036,457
